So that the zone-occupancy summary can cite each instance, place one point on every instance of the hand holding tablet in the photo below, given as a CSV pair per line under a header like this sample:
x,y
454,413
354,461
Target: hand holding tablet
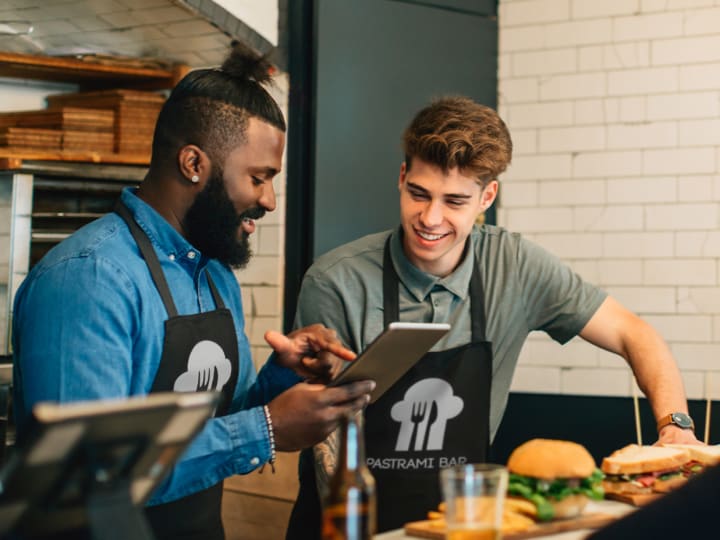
x,y
392,354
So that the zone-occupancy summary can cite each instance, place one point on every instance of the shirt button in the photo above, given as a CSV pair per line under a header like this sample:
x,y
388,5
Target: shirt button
x,y
254,461
191,255
172,257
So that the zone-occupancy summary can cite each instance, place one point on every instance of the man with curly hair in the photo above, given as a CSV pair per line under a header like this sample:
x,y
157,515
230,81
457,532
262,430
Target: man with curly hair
x,y
492,285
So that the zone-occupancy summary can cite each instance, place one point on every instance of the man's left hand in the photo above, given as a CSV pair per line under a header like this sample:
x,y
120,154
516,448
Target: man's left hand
x,y
675,435
313,352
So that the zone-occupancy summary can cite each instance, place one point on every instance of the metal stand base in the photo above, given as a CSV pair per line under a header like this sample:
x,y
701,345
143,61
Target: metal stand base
x,y
112,516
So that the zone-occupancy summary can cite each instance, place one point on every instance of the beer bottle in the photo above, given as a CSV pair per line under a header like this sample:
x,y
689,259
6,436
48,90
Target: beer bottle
x,y
349,508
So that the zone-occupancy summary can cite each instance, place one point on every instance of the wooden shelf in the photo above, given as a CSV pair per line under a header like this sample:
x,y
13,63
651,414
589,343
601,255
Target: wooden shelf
x,y
89,75
11,158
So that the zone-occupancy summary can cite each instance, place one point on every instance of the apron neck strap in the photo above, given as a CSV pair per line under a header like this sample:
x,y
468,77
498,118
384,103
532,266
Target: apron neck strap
x,y
148,253
391,294
391,284
219,304
477,302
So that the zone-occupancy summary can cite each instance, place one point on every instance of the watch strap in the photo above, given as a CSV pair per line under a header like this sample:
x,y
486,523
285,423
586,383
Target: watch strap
x,y
669,419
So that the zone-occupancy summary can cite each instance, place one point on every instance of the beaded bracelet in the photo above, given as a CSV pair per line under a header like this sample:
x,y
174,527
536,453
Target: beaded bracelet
x,y
271,436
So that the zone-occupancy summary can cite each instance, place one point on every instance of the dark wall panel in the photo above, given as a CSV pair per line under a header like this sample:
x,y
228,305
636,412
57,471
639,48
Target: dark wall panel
x,y
601,423
376,63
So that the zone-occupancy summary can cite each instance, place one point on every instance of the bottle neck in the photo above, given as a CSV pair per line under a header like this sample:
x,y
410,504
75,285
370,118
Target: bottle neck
x,y
352,449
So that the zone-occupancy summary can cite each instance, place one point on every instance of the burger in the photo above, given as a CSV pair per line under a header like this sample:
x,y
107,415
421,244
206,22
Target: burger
x,y
558,477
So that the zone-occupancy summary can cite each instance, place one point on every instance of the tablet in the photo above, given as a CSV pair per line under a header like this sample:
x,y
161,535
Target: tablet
x,y
78,459
392,354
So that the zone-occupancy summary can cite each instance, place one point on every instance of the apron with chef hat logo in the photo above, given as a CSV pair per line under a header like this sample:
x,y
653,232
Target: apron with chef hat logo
x,y
435,416
200,353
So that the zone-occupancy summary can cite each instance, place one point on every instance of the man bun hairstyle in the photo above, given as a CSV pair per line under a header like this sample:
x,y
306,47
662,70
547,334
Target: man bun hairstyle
x,y
211,107
455,131
251,73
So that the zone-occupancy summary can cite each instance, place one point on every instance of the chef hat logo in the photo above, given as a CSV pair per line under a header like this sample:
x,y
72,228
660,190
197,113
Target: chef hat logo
x,y
423,414
208,368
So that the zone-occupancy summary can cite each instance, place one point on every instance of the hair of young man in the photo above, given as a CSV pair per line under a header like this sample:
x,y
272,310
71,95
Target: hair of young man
x,y
457,132
211,108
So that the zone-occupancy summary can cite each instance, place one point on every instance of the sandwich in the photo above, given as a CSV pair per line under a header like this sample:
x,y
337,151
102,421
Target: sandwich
x,y
637,470
558,477
706,456
701,457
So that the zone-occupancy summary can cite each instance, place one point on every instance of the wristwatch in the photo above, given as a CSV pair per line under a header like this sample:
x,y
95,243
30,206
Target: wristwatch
x,y
680,419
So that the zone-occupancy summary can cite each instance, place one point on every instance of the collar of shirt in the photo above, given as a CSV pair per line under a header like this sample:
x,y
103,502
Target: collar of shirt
x,y
168,243
420,283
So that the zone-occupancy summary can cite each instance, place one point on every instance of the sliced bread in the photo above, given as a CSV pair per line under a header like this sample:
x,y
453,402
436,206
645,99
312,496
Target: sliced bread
x,y
707,455
635,459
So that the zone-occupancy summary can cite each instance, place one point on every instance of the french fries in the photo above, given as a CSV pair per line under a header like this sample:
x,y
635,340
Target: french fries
x,y
521,506
517,515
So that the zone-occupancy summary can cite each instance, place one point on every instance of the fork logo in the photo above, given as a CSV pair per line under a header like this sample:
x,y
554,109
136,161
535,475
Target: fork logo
x,y
423,414
208,369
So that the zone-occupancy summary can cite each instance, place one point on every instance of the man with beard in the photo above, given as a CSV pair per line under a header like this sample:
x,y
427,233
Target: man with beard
x,y
144,300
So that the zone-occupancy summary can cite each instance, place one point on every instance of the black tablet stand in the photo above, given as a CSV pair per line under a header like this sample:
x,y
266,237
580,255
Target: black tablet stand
x,y
87,470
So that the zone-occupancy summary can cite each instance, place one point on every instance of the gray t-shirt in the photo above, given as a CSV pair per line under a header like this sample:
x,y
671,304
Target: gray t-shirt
x,y
525,287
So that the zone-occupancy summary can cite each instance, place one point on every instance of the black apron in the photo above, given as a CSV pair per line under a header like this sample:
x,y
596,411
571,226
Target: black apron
x,y
436,415
200,352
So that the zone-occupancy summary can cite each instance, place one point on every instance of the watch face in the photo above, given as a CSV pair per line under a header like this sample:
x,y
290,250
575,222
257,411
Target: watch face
x,y
682,420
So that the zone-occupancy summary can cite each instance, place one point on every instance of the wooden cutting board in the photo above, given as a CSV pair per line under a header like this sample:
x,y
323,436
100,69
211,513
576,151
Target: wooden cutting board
x,y
62,118
634,499
30,137
82,140
435,530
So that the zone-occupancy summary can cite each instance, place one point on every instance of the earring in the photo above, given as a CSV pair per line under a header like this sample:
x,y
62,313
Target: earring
x,y
195,179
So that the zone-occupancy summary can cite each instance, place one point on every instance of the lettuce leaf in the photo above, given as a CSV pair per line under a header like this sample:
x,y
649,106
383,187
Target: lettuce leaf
x,y
542,492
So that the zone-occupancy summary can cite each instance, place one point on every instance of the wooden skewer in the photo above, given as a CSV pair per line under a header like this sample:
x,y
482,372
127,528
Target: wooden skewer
x,y
636,403
708,407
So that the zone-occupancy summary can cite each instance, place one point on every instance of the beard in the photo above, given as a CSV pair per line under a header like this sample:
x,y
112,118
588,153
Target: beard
x,y
212,224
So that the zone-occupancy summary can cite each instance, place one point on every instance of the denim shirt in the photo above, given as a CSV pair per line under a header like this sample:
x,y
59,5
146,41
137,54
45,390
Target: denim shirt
x,y
88,323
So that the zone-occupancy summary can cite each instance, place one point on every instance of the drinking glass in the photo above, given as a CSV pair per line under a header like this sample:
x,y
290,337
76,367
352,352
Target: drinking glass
x,y
474,495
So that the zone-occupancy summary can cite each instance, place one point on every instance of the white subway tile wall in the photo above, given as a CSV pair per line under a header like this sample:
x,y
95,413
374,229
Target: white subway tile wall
x,y
267,301
578,246
542,380
262,270
595,381
615,111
